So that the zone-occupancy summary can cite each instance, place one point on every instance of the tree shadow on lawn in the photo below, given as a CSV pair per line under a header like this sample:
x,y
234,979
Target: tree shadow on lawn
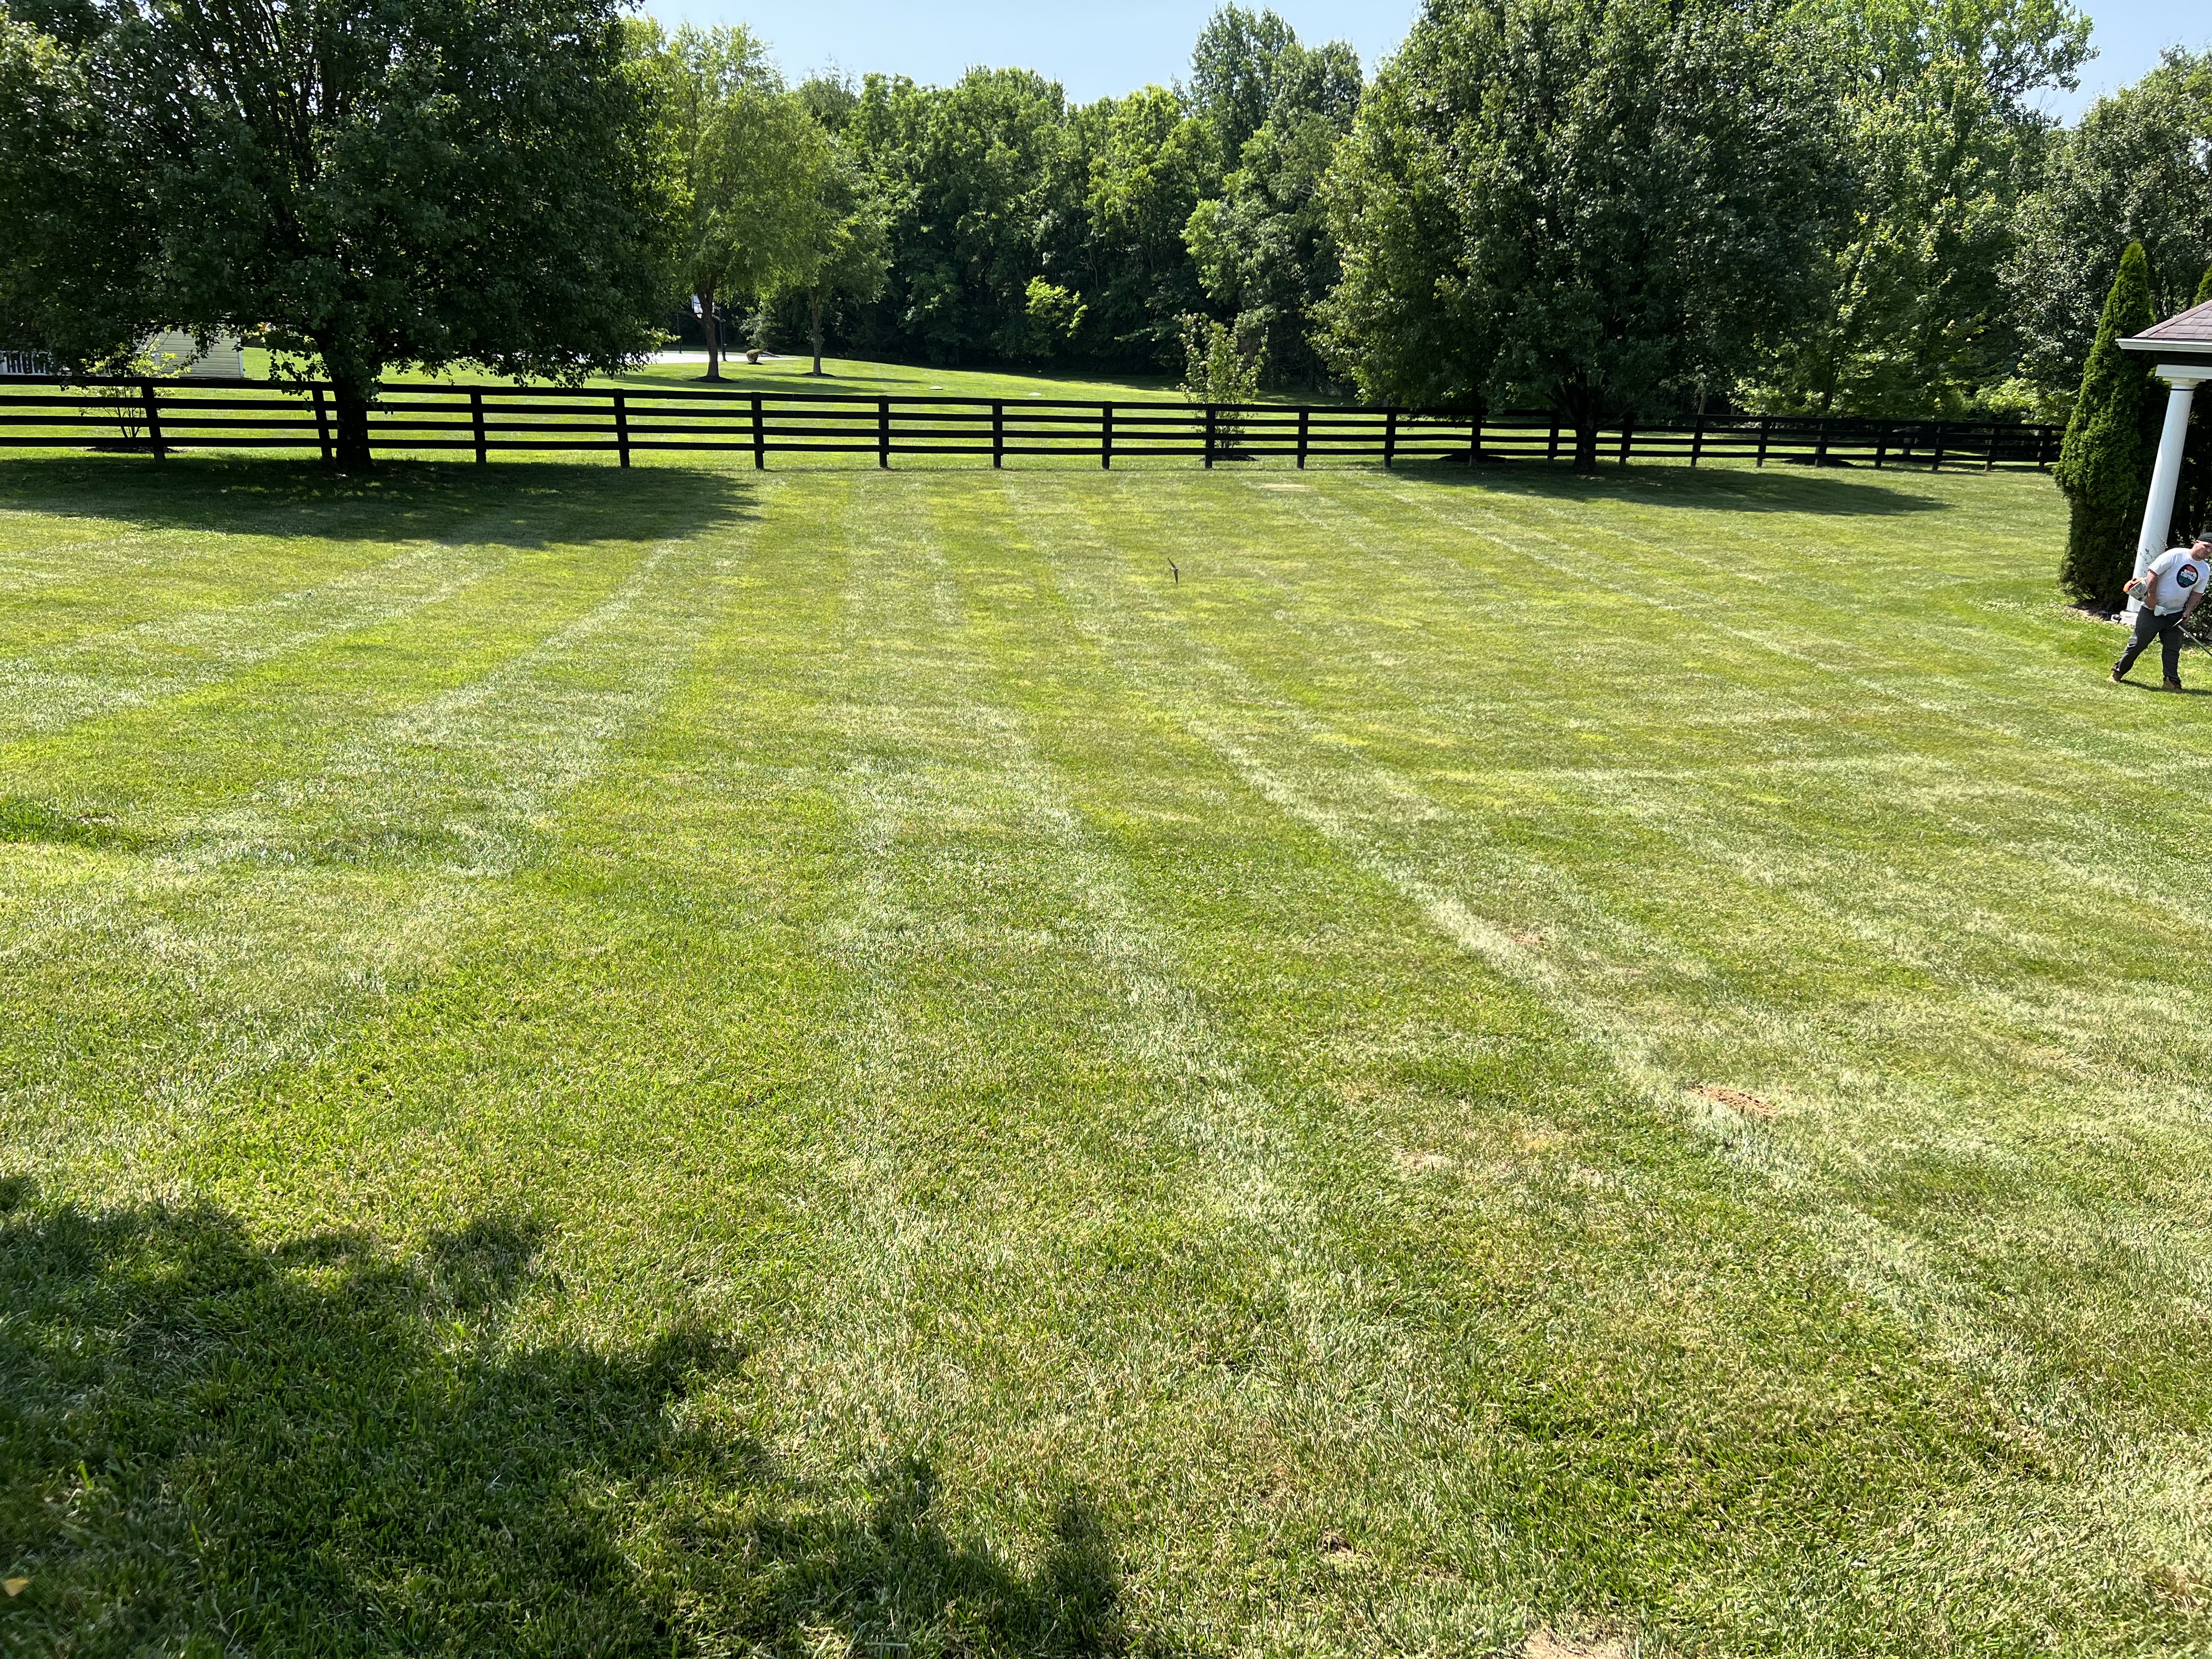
x,y
209,1445
524,504
1816,491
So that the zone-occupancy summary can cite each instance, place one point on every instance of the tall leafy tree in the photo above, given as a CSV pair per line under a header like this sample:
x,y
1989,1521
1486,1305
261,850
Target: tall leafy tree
x,y
1250,65
2103,467
965,175
1263,245
1914,317
402,182
744,169
1150,167
67,209
2137,169
837,246
1264,248
1593,205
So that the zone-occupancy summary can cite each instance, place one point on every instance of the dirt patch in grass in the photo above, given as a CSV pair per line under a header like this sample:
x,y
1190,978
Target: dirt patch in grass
x,y
1736,1100
1423,1162
1548,1643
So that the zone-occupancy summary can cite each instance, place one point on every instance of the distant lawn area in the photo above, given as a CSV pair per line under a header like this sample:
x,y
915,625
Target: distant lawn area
x,y
794,375
932,1063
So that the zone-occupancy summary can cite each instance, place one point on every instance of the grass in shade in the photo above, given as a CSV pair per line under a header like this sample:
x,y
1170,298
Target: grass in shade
x,y
846,1063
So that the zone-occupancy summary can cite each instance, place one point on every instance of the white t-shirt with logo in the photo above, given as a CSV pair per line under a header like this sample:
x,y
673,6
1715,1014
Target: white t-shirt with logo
x,y
2180,577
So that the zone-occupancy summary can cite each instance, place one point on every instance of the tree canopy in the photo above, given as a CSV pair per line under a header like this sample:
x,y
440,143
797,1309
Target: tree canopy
x,y
2138,170
1602,207
1593,205
409,181
1913,316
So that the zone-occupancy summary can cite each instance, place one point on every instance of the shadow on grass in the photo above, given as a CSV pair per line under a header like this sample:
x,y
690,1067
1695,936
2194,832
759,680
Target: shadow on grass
x,y
512,504
211,1445
1819,491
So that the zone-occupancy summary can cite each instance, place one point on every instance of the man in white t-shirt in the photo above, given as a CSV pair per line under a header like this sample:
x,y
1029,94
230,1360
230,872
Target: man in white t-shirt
x,y
2170,589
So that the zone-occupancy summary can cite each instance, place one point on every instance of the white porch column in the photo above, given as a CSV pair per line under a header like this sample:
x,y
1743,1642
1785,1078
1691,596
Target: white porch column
x,y
2165,475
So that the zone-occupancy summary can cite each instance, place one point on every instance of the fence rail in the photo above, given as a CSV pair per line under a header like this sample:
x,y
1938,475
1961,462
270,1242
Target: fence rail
x,y
158,416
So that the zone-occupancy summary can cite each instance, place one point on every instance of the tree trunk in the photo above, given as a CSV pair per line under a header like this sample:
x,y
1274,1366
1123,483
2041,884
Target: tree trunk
x,y
1586,445
814,310
712,325
351,449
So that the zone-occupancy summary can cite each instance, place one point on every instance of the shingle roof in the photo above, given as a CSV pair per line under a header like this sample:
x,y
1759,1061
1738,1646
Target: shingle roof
x,y
2192,329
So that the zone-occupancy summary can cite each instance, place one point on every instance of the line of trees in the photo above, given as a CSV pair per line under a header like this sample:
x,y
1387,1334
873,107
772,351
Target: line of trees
x,y
1609,208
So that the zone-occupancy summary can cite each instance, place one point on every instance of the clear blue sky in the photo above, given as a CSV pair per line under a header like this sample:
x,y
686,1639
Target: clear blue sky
x,y
1107,47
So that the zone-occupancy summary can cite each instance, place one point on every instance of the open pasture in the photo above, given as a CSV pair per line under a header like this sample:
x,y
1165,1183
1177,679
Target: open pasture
x,y
950,1063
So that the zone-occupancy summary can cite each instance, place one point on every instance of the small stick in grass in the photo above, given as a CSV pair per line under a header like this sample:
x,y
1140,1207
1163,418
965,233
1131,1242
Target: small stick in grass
x,y
1176,570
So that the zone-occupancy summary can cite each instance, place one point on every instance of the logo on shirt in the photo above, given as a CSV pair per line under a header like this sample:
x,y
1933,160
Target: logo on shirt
x,y
2186,575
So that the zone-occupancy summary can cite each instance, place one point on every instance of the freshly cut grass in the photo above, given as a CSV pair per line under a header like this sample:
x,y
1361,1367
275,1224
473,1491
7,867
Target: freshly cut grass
x,y
843,1063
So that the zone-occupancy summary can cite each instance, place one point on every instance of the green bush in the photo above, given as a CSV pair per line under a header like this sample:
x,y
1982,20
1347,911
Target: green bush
x,y
2103,467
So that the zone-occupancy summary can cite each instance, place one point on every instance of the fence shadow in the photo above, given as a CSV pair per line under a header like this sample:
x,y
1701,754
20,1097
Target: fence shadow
x,y
524,504
209,1443
1777,487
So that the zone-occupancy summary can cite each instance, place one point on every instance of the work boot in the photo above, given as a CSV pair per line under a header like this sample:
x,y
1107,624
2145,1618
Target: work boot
x,y
2171,685
2119,676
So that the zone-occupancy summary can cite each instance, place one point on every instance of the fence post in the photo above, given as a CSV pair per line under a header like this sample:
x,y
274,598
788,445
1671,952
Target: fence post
x,y
477,426
621,425
1305,426
322,423
1389,437
1880,445
997,432
1698,439
1210,412
1627,436
1552,454
1990,463
1106,437
1766,424
760,437
153,420
1938,464
884,433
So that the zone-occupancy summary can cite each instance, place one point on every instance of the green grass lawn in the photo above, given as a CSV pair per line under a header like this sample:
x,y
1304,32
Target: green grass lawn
x,y
681,1062
794,375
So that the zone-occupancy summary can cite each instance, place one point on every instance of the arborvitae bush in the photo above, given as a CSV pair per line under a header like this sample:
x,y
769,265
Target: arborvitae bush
x,y
2105,464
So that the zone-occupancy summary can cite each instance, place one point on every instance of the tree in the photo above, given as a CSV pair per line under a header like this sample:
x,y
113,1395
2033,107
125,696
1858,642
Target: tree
x,y
1915,318
1151,165
1248,65
2137,170
407,182
65,209
837,242
1593,205
1263,246
2103,467
745,164
964,174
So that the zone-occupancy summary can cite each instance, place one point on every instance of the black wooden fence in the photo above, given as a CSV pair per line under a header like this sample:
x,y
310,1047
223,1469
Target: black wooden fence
x,y
157,417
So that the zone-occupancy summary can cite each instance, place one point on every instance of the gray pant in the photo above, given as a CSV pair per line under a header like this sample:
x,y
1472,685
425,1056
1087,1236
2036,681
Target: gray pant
x,y
2166,630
